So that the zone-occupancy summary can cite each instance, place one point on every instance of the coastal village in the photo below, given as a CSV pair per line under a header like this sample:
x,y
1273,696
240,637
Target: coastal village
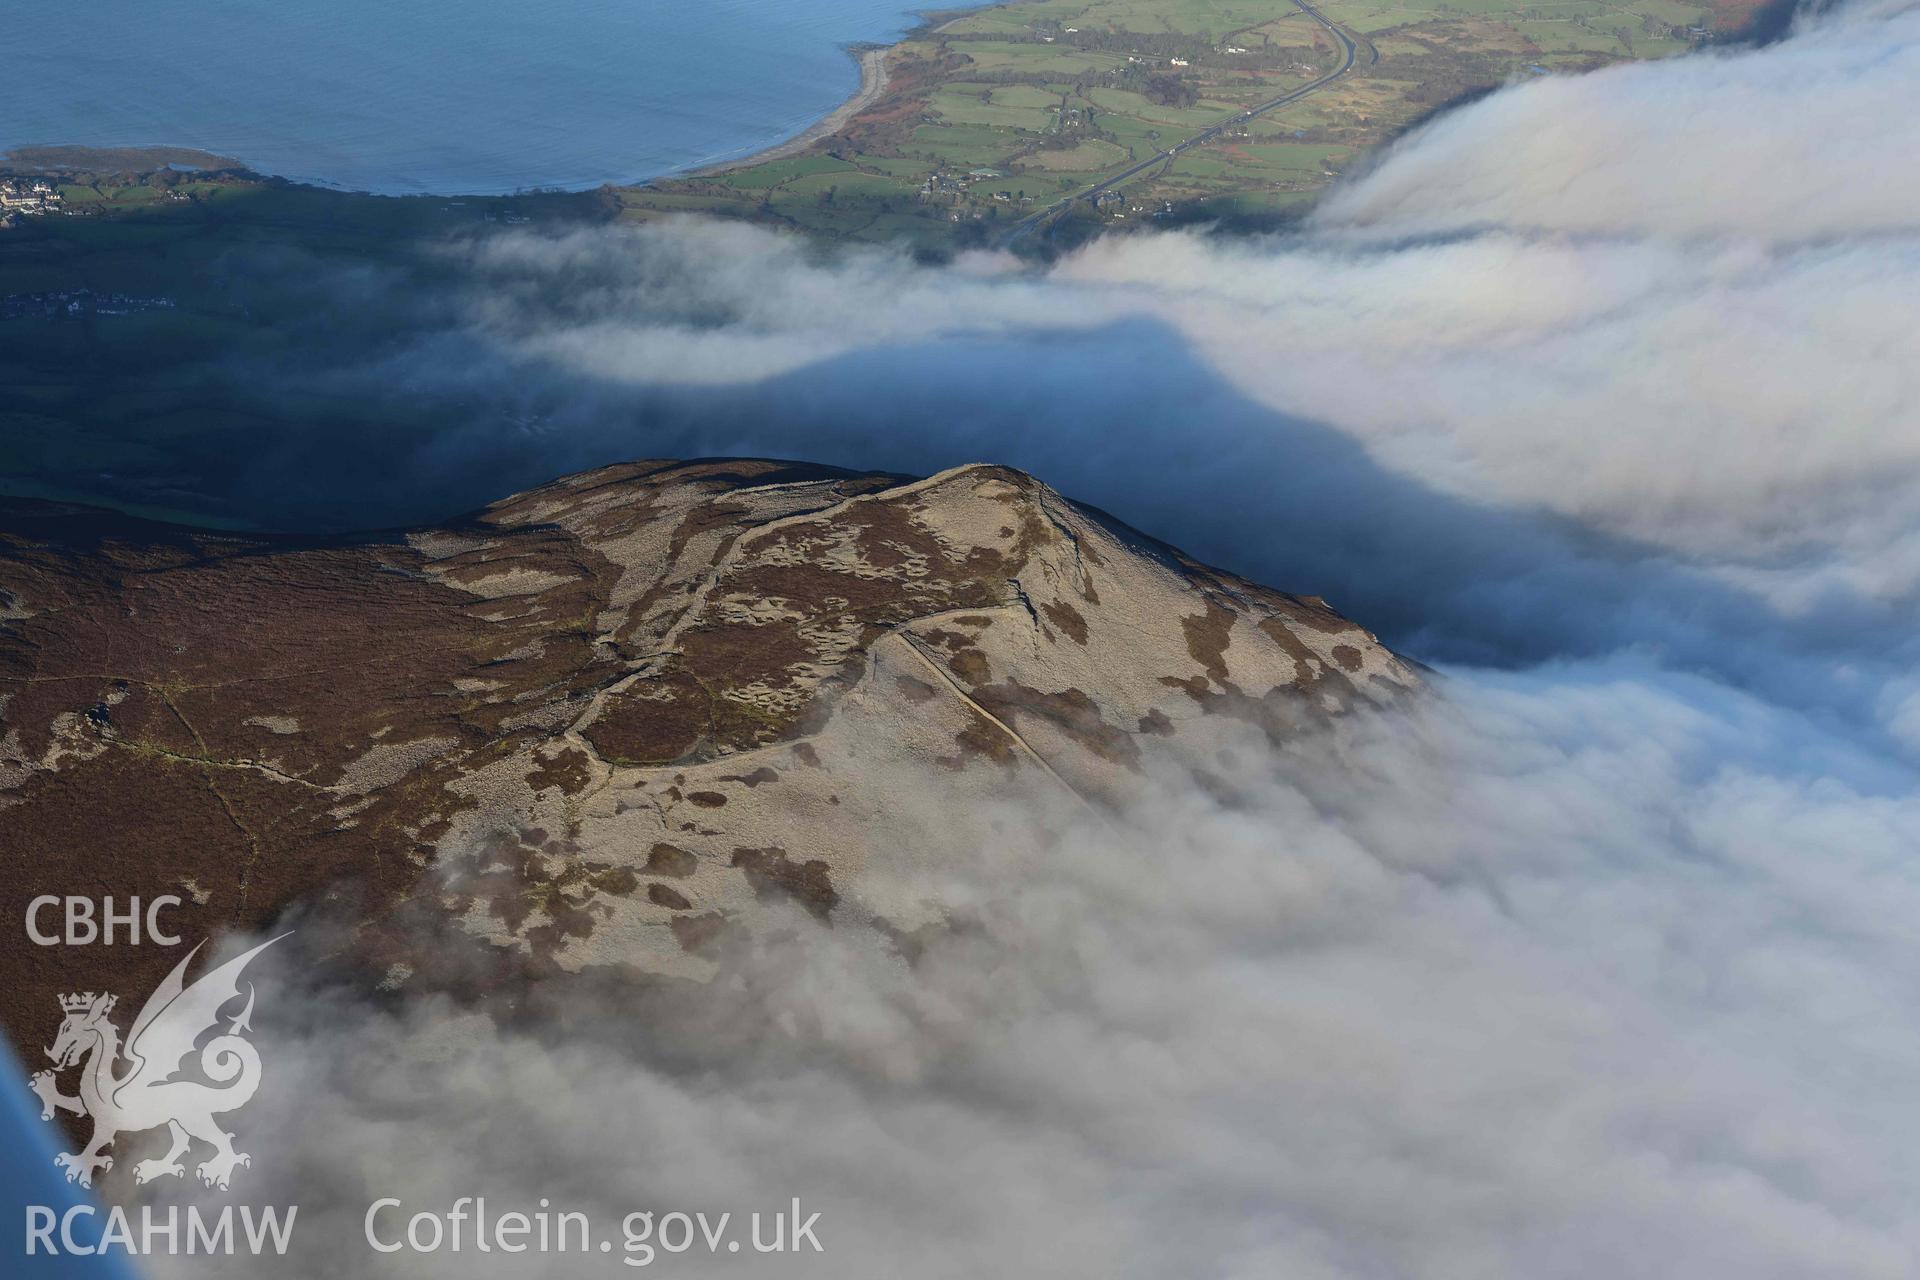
x,y
78,303
22,196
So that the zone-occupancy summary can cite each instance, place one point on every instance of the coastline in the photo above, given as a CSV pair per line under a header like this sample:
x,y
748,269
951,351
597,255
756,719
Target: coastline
x,y
42,158
875,27
871,59
873,83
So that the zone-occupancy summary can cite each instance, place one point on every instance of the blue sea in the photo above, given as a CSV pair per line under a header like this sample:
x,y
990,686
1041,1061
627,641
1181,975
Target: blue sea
x,y
441,96
28,1177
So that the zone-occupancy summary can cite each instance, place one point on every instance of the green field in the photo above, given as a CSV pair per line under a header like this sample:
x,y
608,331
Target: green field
x,y
1057,96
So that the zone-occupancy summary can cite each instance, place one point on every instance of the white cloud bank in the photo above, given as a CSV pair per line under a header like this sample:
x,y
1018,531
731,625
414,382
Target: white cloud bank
x,y
1578,974
1790,145
1603,966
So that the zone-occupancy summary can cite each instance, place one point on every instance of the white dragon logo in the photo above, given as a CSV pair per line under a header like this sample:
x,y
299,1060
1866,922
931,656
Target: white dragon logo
x,y
147,1095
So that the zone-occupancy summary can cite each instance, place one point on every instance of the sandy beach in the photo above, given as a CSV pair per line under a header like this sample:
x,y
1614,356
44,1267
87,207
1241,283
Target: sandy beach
x,y
873,83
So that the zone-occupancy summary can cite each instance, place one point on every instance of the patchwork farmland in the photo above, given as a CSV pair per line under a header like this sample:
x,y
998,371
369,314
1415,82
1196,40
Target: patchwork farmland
x,y
1084,114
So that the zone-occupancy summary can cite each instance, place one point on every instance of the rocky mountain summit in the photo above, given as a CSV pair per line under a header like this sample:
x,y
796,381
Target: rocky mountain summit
x,y
605,721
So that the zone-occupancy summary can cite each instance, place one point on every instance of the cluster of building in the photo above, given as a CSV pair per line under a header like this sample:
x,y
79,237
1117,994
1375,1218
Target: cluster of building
x,y
78,302
1117,205
511,217
20,196
948,188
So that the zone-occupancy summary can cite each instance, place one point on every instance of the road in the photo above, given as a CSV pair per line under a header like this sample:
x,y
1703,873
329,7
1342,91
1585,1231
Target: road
x,y
1349,53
